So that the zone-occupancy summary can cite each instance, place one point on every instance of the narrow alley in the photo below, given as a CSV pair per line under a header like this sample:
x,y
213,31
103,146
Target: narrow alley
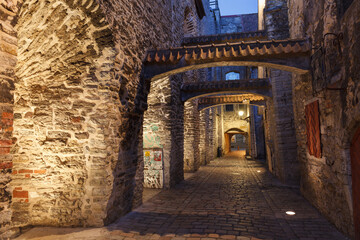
x,y
231,198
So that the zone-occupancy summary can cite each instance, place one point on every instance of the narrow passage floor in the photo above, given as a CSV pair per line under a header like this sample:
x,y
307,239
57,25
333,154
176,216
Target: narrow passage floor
x,y
231,198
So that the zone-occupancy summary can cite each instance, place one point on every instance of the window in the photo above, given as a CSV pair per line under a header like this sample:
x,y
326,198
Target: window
x,y
232,76
313,129
229,108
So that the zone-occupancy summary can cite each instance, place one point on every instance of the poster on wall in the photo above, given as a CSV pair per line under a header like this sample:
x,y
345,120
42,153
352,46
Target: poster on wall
x,y
153,168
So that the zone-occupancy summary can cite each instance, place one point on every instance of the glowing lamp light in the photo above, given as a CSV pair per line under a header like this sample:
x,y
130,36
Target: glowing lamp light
x,y
291,213
258,171
241,113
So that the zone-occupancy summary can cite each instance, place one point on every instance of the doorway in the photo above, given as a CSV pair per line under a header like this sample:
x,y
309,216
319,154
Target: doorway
x,y
355,172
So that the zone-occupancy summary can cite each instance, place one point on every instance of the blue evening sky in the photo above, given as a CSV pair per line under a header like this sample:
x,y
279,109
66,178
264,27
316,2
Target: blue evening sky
x,y
234,7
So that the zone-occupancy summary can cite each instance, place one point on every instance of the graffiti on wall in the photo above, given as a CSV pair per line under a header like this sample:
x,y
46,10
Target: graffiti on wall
x,y
153,168
151,137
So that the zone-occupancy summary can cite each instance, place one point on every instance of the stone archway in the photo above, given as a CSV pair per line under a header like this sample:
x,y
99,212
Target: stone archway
x,y
286,55
355,170
228,136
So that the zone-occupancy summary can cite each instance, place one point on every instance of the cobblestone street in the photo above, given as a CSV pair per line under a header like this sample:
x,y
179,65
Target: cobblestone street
x,y
232,198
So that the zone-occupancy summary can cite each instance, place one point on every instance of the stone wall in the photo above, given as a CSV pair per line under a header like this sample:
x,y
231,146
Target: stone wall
x,y
285,165
202,128
78,107
192,160
279,123
326,181
8,51
239,23
259,132
157,124
65,118
276,19
210,146
163,126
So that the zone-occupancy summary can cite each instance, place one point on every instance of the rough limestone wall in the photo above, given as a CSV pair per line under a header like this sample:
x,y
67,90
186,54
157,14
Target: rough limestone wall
x,y
157,122
8,51
252,132
216,130
65,117
282,143
177,132
269,125
192,129
239,23
220,128
326,182
191,136
259,132
276,19
163,126
202,146
210,146
285,146
96,124
138,26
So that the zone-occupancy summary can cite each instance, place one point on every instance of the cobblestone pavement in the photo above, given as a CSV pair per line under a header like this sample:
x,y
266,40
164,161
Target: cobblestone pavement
x,y
232,198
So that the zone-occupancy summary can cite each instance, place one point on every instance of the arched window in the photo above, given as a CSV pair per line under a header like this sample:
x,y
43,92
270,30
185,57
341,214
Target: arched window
x,y
232,76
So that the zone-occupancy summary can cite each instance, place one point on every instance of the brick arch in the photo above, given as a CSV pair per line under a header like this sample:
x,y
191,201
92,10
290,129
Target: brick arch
x,y
64,70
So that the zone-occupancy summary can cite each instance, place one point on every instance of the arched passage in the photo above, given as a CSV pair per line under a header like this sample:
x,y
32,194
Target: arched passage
x,y
283,57
355,171
229,134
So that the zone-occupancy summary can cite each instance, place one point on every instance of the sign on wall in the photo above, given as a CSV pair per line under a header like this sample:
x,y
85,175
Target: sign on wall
x,y
153,168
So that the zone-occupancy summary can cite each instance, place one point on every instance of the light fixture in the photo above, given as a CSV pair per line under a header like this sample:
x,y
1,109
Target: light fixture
x,y
241,113
258,171
291,213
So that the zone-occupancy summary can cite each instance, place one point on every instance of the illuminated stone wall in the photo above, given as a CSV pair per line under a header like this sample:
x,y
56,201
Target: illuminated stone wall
x,y
163,127
8,49
65,117
76,156
192,160
326,181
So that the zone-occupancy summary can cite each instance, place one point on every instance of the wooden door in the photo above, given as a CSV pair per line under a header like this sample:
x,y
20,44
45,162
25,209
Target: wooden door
x,y
355,171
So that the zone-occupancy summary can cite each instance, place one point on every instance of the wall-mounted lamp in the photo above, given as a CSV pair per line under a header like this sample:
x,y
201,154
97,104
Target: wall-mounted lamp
x,y
241,113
